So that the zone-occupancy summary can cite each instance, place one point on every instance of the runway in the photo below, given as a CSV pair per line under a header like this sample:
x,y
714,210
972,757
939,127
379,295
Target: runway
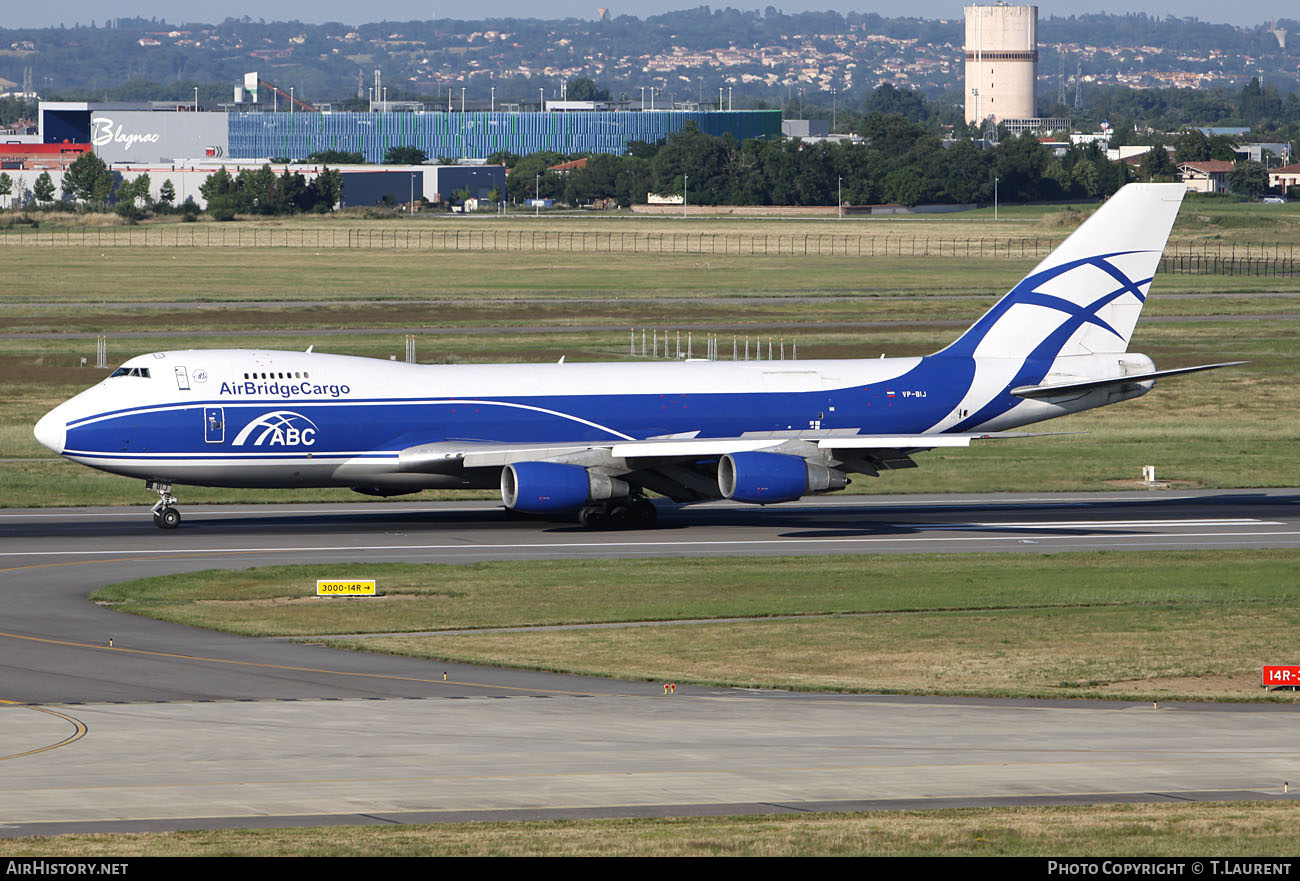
x,y
172,727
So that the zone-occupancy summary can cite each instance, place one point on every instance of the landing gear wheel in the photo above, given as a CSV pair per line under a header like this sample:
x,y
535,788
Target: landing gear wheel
x,y
618,515
642,512
593,516
164,515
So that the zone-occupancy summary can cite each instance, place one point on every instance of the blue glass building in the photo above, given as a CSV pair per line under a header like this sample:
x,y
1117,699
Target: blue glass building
x,y
477,135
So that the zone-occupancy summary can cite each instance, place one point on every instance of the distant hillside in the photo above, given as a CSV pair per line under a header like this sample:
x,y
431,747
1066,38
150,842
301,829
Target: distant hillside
x,y
683,56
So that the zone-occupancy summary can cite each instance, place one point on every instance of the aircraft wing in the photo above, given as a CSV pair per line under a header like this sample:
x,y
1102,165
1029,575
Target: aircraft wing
x,y
684,468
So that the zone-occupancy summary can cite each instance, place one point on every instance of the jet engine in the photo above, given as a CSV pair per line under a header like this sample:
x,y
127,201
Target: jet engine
x,y
551,487
763,478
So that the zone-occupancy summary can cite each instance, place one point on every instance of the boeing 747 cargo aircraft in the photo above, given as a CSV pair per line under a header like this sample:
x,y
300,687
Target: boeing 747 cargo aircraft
x,y
592,440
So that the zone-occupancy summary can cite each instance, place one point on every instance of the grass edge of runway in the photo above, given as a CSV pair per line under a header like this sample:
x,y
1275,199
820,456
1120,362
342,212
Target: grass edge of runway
x,y
1168,625
1258,829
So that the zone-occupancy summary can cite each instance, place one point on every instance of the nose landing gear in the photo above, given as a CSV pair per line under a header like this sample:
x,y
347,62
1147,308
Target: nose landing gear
x,y
164,515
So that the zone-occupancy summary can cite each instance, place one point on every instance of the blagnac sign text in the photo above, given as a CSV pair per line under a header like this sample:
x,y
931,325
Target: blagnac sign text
x,y
103,132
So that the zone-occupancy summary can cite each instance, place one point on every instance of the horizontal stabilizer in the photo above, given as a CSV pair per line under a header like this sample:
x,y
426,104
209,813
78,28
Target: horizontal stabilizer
x,y
1051,391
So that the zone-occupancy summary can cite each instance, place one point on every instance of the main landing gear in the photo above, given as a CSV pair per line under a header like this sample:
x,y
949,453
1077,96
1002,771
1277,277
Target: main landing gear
x,y
164,515
618,514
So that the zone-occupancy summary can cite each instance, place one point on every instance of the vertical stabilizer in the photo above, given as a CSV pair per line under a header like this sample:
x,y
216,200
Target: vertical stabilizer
x,y
1086,296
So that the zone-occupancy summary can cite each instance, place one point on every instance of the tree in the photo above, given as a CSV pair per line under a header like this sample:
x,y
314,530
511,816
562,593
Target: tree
x,y
6,186
1191,146
404,156
219,184
88,179
585,89
167,193
326,190
1223,147
1157,166
1021,164
136,190
907,103
1248,178
43,188
337,157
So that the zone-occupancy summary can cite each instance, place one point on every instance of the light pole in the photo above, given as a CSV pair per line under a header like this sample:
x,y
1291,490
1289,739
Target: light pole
x,y
541,99
537,195
494,99
291,100
643,99
700,99
839,198
196,99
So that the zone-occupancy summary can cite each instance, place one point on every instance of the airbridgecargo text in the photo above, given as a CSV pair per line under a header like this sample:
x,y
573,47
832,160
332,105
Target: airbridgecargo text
x,y
283,389
1174,867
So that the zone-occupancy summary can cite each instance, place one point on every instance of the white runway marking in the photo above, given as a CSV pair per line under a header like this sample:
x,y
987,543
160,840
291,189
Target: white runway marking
x,y
653,543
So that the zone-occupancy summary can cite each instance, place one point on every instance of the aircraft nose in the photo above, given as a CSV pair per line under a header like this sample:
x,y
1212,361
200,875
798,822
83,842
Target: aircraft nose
x,y
52,430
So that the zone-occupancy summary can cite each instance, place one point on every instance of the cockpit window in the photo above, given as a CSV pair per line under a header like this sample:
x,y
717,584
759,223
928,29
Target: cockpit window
x,y
130,371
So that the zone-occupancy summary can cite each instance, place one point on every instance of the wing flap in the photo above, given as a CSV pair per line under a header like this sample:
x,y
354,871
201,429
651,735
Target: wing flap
x,y
453,455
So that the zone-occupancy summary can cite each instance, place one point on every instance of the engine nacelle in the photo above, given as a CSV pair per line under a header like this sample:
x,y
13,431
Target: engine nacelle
x,y
763,478
553,487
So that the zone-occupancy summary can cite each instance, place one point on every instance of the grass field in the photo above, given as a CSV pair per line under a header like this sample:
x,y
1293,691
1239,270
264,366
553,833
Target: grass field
x,y
1252,829
1200,218
1143,626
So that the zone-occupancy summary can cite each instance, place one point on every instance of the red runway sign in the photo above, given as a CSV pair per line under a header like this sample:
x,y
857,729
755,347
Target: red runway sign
x,y
1281,674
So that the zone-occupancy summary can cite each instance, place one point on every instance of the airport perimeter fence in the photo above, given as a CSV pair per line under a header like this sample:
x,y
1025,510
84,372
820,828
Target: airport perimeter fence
x,y
1197,258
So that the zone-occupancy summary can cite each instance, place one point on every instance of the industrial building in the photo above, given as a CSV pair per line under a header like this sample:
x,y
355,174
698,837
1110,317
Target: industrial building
x,y
362,184
178,141
164,133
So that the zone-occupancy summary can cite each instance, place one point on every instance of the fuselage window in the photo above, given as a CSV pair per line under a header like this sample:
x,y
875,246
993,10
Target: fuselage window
x,y
130,371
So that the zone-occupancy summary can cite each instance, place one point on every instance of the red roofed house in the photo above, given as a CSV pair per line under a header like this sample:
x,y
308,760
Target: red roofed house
x,y
1286,176
566,167
1207,176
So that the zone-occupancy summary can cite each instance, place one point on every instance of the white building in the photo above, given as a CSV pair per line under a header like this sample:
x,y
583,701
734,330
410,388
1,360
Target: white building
x,y
1001,62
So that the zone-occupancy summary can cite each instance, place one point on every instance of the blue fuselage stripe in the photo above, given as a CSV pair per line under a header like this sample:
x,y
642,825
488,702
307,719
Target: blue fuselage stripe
x,y
911,403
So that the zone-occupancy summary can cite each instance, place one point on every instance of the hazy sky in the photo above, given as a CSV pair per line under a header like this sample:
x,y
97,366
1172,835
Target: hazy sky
x,y
1241,12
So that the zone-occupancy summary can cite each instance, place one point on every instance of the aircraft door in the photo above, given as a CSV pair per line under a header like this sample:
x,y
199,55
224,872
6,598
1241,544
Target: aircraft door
x,y
214,424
